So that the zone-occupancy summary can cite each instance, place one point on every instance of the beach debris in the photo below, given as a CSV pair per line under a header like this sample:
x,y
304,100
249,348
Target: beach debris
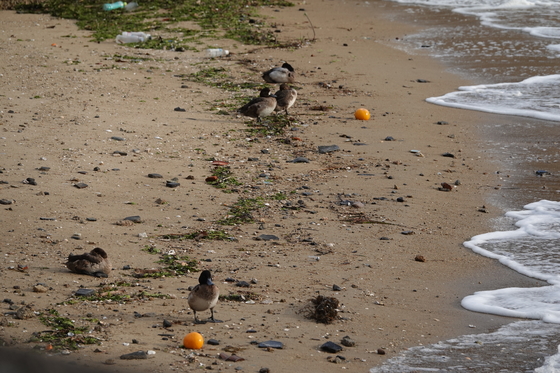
x,y
331,347
338,359
118,138
422,81
381,351
271,344
30,181
420,258
267,237
407,233
322,309
442,122
83,292
299,160
418,153
213,342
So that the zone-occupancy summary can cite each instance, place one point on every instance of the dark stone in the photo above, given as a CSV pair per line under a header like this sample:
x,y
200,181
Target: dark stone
x,y
91,219
336,288
348,342
448,155
81,185
331,347
271,344
180,109
155,176
542,173
213,342
44,168
127,267
243,284
359,143
299,160
422,81
172,184
138,355
265,151
134,219
442,122
268,237
400,199
31,181
84,292
167,324
6,201
120,153
389,138
323,149
117,138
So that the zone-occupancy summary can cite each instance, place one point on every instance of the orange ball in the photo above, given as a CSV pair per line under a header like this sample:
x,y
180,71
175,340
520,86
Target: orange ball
x,y
362,114
193,341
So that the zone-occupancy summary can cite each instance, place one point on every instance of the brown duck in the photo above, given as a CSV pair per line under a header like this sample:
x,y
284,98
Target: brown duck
x,y
283,74
204,296
261,106
95,263
285,98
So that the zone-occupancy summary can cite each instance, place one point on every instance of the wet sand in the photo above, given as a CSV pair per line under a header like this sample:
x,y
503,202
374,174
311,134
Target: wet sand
x,y
65,98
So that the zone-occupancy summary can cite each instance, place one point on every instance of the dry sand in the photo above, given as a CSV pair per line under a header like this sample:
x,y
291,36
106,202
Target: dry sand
x,y
64,97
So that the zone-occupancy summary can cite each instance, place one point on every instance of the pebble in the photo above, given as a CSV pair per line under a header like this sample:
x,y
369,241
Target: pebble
x,y
91,219
542,173
172,184
121,153
268,237
40,289
323,149
243,284
381,351
331,347
117,138
299,160
348,342
84,292
450,155
420,258
6,201
30,181
138,355
167,324
134,219
180,109
271,344
336,288
44,168
81,185
213,342
155,176
389,138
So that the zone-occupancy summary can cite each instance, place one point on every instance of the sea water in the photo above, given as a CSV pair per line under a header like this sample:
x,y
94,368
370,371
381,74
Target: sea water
x,y
511,48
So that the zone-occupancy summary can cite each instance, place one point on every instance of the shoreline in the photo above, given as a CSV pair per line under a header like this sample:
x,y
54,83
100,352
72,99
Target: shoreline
x,y
390,300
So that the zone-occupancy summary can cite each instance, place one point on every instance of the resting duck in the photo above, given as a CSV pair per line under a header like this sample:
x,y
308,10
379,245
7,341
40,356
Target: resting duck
x,y
95,263
204,296
285,98
261,106
284,74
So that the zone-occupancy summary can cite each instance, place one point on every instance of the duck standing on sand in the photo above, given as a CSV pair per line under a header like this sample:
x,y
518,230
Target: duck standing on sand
x,y
261,106
204,296
283,74
285,98
95,263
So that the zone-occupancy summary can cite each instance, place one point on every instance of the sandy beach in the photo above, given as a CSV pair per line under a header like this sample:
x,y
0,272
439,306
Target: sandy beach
x,y
74,112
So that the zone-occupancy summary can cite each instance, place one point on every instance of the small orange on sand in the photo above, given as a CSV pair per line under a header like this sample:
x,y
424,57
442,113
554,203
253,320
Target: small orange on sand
x,y
362,114
193,341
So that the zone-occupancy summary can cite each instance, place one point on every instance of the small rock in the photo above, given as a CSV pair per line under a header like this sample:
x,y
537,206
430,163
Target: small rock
x,y
389,138
30,181
172,184
331,347
264,370
268,237
407,233
381,351
138,355
271,344
134,219
40,289
84,292
420,258
446,187
348,342
324,149
6,201
117,138
180,109
167,324
243,284
81,185
299,160
450,155
213,342
336,288
542,173
155,176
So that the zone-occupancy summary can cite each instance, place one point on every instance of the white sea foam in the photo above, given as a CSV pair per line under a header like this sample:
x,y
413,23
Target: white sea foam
x,y
537,97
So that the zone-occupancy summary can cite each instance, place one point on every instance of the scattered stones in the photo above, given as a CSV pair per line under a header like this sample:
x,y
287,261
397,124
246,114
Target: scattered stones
x,y
420,258
138,355
271,344
331,347
324,149
348,342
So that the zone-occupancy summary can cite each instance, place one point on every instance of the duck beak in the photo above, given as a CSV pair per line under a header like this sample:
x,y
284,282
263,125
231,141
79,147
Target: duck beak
x,y
209,282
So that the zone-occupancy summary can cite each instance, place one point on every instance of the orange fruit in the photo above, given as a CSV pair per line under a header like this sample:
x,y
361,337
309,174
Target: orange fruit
x,y
362,114
193,341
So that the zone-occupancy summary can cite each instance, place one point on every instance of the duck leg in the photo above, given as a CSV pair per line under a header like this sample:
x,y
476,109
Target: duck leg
x,y
212,319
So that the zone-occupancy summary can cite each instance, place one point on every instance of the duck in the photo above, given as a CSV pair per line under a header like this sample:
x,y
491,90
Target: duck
x,y
285,97
261,106
95,263
204,296
283,74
